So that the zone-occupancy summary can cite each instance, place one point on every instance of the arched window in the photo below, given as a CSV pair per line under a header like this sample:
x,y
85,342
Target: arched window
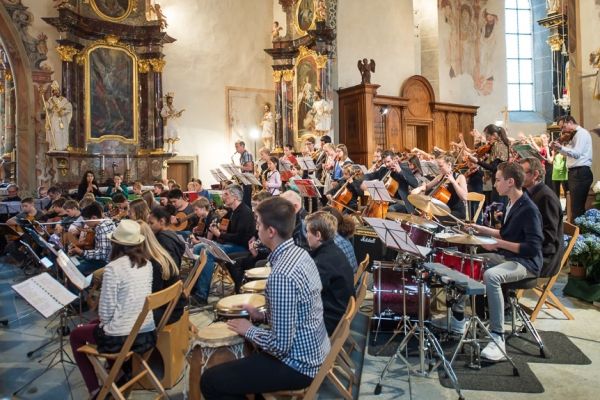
x,y
519,55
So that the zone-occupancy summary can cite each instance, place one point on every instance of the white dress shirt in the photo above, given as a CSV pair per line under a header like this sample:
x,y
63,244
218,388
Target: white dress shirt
x,y
579,153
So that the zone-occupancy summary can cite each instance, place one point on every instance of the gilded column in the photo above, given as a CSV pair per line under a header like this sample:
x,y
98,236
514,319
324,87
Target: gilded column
x,y
158,64
287,89
146,140
69,71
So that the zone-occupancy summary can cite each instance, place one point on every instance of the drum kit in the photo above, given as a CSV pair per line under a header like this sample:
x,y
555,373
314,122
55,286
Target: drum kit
x,y
401,288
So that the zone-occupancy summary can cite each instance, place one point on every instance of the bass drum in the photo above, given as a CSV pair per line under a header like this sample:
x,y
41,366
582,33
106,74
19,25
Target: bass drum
x,y
388,292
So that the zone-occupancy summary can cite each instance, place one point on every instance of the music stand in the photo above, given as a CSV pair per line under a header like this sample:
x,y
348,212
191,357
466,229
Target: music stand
x,y
430,168
378,193
307,189
306,164
251,179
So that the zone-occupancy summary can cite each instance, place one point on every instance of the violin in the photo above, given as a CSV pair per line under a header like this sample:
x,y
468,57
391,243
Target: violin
x,y
85,240
481,151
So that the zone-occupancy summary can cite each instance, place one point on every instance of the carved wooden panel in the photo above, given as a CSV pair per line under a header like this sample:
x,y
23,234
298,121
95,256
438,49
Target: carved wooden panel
x,y
453,127
393,129
440,139
410,137
420,95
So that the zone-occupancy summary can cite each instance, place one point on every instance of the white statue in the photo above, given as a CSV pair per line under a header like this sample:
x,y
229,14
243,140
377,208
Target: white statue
x,y
552,6
170,115
321,110
59,112
267,125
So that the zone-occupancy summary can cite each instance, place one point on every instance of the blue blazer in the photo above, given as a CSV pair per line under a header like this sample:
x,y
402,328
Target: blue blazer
x,y
524,225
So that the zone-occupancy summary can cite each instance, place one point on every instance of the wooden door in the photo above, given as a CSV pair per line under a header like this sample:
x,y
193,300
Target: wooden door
x,y
181,172
410,137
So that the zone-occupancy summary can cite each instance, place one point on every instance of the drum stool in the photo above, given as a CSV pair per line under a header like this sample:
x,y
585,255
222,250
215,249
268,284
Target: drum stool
x,y
517,311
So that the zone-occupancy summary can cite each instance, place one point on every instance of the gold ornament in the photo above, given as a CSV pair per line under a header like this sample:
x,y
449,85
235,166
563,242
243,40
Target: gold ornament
x,y
288,75
66,53
555,41
277,76
158,64
143,66
321,61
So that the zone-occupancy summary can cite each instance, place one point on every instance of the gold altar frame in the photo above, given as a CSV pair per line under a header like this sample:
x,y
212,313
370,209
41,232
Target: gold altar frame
x,y
110,43
130,6
317,60
297,16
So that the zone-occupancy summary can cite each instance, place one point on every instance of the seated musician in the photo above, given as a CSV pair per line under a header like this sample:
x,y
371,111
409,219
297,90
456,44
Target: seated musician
x,y
150,200
295,344
138,210
336,273
73,221
99,255
415,167
159,222
126,283
88,184
295,174
12,193
345,231
118,186
453,181
401,173
341,160
182,207
518,253
352,183
158,189
299,234
233,240
42,192
199,189
264,155
53,194
120,207
272,180
28,213
205,216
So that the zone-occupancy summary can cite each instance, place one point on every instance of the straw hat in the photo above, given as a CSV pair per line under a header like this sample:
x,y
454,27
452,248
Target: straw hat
x,y
127,233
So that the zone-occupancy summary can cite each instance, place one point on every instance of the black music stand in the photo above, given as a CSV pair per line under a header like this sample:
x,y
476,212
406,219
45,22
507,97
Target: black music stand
x,y
378,193
306,164
307,189
394,236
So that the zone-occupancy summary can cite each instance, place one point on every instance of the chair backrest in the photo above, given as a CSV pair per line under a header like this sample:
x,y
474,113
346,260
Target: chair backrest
x,y
169,295
478,197
337,340
191,279
361,269
573,231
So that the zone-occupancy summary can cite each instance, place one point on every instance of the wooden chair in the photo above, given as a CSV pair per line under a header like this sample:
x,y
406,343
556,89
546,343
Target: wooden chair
x,y
168,296
472,197
544,289
337,340
192,278
362,267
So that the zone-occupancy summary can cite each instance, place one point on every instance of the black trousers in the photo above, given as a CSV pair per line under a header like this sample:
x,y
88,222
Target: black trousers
x,y
247,195
556,187
257,373
580,181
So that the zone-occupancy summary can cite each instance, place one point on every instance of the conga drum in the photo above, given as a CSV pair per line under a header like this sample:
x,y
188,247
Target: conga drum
x,y
213,345
257,286
232,306
254,274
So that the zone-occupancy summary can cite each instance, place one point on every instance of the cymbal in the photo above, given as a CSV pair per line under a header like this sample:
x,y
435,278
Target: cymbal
x,y
471,240
428,204
413,219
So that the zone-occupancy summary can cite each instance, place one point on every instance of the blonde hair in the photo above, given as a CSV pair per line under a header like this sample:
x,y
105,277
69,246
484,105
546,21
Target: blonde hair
x,y
140,210
322,222
158,253
148,197
86,200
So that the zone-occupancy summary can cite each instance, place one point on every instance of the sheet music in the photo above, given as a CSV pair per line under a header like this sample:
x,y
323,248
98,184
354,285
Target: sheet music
x,y
377,191
307,188
214,249
430,168
44,293
71,271
10,207
306,163
251,179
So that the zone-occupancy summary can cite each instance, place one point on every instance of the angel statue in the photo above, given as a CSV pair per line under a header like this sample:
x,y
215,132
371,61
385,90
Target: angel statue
x,y
170,114
552,6
366,67
276,31
58,117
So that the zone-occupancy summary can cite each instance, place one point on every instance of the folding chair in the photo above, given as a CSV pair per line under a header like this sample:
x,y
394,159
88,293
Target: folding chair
x,y
544,289
168,296
472,197
194,274
361,269
337,340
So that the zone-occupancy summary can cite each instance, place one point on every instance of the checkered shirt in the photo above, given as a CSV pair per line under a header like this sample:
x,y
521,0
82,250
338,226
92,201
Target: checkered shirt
x,y
245,157
346,247
102,244
297,334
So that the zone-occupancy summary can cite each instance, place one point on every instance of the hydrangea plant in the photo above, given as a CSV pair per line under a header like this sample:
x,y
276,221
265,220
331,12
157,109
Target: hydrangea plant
x,y
586,251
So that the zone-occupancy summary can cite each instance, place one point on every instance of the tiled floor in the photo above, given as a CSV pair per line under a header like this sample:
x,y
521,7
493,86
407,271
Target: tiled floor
x,y
27,330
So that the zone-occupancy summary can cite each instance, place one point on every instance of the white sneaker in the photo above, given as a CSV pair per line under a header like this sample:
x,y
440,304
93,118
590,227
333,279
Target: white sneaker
x,y
495,352
456,326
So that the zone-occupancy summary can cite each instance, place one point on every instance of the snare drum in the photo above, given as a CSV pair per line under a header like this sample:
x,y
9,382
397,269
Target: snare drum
x,y
253,274
213,345
439,241
231,306
473,267
419,235
257,286
388,292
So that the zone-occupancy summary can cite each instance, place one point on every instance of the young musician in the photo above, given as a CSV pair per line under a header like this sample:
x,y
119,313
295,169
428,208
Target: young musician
x,y
205,215
88,184
53,194
246,165
118,186
91,260
13,193
295,344
352,183
150,200
345,231
272,182
233,240
341,160
158,189
28,213
73,221
498,153
138,210
264,154
137,189
518,253
126,283
159,223
336,273
199,189
453,181
120,207
181,205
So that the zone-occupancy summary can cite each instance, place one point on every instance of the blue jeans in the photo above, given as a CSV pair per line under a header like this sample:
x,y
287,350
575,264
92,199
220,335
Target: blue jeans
x,y
86,267
202,287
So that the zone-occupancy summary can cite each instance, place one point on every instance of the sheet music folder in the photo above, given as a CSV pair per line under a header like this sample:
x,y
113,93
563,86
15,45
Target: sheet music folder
x,y
45,294
394,236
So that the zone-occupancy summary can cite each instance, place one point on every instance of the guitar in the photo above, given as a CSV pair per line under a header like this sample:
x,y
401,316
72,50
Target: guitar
x,y
182,223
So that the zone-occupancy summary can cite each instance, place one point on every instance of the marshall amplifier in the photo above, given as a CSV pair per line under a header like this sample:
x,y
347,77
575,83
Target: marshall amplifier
x,y
366,242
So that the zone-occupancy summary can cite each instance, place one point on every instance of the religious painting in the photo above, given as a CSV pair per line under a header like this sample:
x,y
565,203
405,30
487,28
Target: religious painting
x,y
111,94
307,82
474,34
305,16
245,110
113,10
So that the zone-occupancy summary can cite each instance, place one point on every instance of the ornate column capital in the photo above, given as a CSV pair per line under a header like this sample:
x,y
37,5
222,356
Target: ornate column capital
x,y
555,41
158,64
143,66
277,76
288,75
66,53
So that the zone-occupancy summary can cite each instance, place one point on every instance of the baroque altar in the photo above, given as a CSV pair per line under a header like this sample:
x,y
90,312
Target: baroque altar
x,y
112,64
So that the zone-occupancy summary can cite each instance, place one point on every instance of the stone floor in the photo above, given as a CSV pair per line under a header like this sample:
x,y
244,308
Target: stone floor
x,y
27,330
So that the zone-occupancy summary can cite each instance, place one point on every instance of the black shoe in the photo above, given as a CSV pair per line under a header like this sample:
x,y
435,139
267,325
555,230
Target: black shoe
x,y
199,301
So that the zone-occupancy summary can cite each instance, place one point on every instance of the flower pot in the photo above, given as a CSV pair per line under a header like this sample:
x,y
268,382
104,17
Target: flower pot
x,y
577,271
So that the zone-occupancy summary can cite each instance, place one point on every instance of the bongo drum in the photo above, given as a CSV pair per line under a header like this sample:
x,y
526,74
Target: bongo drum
x,y
257,286
231,306
253,274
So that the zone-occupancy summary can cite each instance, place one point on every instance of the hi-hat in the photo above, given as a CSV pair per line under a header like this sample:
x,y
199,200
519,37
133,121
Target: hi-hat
x,y
429,205
413,219
471,240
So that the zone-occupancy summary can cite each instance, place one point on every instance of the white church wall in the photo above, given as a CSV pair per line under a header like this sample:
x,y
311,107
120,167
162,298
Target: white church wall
x,y
469,60
38,26
381,30
219,43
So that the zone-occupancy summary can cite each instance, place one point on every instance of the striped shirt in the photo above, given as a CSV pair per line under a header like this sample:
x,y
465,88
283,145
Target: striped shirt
x,y
346,247
297,334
